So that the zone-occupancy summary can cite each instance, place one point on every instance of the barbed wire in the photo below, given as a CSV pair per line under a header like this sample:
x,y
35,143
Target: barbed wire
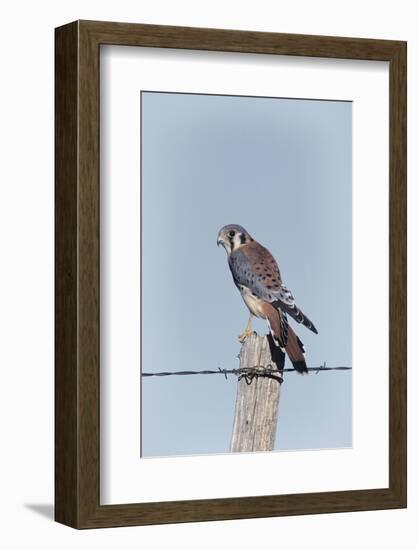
x,y
248,373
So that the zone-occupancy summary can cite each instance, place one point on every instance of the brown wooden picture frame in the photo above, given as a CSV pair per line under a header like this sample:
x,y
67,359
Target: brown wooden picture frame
x,y
77,358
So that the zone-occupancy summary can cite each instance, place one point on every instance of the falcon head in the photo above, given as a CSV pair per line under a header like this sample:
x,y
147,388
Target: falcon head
x,y
232,237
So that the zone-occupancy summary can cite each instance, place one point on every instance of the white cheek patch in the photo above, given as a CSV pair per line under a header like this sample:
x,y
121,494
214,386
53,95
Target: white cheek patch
x,y
227,247
236,242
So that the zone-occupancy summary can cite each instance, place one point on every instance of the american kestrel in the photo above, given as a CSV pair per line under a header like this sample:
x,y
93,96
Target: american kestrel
x,y
256,274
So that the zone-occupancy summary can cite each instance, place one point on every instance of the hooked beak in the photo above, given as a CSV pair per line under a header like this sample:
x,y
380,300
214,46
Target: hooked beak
x,y
219,241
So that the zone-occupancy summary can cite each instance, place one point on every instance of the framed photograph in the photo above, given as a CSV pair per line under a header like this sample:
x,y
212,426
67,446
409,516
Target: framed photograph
x,y
204,177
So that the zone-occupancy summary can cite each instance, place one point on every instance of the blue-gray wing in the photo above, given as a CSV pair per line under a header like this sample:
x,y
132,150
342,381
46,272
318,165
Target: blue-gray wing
x,y
254,268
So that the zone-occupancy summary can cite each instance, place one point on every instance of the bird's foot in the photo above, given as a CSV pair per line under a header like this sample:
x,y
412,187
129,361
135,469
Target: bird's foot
x,y
245,334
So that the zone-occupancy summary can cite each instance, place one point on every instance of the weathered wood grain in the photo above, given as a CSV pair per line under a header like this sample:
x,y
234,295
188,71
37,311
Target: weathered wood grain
x,y
256,410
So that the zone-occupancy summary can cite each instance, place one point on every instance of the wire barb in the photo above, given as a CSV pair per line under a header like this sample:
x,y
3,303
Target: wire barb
x,y
249,373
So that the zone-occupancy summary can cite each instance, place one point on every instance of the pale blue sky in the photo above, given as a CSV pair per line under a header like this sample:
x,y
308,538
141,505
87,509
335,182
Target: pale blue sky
x,y
282,169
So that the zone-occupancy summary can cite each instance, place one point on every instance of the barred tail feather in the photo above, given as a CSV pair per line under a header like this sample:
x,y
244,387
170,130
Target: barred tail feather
x,y
285,338
295,351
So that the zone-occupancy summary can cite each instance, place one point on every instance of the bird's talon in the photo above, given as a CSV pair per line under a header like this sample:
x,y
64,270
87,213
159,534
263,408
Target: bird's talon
x,y
245,335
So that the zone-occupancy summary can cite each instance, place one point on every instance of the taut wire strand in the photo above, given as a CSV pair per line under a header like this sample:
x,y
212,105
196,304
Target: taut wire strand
x,y
248,373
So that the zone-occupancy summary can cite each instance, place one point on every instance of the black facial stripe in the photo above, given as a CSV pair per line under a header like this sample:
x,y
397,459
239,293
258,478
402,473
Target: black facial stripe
x,y
231,243
242,238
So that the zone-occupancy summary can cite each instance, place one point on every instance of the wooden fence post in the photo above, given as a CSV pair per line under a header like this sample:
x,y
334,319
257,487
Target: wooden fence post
x,y
256,410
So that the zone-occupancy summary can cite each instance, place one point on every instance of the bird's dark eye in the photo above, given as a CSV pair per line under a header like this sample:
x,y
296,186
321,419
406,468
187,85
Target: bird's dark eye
x,y
232,233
